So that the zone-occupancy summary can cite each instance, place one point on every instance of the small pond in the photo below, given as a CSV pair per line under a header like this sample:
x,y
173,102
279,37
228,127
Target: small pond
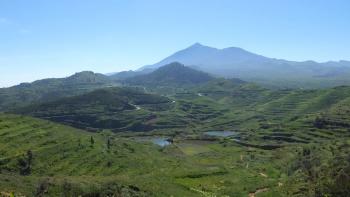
x,y
160,141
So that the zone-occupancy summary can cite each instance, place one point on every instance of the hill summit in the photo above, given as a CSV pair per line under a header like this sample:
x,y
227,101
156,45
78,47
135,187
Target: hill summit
x,y
175,74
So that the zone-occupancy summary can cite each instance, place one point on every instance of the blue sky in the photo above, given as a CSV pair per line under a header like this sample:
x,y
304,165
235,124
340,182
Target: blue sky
x,y
40,38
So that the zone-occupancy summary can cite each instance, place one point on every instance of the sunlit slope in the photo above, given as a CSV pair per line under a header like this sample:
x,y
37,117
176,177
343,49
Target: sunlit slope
x,y
40,154
280,153
283,116
41,158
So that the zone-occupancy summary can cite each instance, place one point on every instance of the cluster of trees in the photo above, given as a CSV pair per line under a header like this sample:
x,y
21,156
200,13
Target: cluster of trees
x,y
25,163
67,188
322,123
323,176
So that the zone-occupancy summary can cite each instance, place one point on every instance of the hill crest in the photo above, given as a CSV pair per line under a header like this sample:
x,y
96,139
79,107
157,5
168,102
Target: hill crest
x,y
171,74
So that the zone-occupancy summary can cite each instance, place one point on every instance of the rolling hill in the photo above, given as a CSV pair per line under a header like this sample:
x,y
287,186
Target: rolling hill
x,y
41,158
51,89
118,109
172,75
286,142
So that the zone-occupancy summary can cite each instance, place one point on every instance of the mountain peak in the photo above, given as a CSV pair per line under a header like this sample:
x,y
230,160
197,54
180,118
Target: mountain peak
x,y
197,44
173,74
235,49
172,65
206,56
87,77
83,73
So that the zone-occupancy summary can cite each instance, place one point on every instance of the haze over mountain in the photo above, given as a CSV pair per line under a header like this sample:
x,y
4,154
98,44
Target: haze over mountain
x,y
173,74
239,63
119,76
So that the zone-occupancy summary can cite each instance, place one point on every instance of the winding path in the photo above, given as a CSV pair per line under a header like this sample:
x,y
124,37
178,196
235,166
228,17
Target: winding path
x,y
136,106
258,191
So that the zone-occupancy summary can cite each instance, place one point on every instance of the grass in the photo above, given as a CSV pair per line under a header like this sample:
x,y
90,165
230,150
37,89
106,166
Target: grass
x,y
291,143
192,148
63,157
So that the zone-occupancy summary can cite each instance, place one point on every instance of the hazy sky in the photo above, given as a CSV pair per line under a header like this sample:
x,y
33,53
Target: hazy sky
x,y
42,38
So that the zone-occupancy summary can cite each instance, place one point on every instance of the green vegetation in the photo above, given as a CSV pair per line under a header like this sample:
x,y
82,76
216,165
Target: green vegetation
x,y
51,89
288,143
118,109
64,160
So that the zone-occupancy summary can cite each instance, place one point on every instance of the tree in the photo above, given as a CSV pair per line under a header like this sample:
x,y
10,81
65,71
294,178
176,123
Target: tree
x,y
320,122
92,141
29,157
108,143
79,143
25,163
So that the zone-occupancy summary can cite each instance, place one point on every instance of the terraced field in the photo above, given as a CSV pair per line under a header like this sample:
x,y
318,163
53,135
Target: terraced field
x,y
50,158
287,143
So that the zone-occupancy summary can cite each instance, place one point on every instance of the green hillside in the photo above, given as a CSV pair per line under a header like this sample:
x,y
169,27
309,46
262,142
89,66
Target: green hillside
x,y
285,143
40,158
51,89
112,108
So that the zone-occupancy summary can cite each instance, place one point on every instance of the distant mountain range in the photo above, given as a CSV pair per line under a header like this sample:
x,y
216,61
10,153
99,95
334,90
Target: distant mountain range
x,y
192,66
239,63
